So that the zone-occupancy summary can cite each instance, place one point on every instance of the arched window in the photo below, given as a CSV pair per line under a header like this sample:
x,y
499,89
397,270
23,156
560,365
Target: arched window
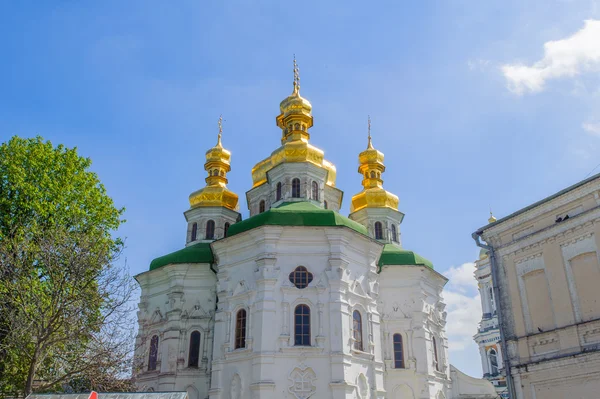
x,y
194,231
394,233
261,206
240,329
492,302
225,229
301,277
372,174
378,231
315,191
194,354
210,230
302,325
435,355
325,204
153,356
357,330
295,188
398,352
493,356
278,191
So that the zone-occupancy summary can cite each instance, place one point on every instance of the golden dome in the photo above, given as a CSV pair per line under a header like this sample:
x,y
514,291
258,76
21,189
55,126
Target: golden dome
x,y
216,192
373,194
492,219
294,120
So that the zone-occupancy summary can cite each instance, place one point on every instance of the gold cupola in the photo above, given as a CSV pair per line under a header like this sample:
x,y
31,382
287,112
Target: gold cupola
x,y
216,193
296,117
373,194
294,121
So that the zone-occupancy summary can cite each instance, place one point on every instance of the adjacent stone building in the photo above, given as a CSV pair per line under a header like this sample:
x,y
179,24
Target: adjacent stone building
x,y
296,301
546,273
488,333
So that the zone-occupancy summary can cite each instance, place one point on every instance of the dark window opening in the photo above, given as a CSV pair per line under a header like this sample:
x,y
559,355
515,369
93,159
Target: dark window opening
x,y
302,325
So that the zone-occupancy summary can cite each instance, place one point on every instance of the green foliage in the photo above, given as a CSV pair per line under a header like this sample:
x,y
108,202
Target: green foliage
x,y
57,281
43,186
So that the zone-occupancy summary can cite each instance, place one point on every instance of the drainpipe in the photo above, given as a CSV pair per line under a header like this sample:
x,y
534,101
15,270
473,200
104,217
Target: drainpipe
x,y
494,267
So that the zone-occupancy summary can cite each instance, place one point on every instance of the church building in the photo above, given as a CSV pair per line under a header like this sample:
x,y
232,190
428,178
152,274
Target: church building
x,y
296,301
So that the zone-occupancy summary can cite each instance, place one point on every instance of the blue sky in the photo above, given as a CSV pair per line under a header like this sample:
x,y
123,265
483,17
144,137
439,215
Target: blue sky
x,y
470,107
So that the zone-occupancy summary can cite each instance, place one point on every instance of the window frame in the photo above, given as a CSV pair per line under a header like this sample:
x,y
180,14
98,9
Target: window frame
x,y
191,350
398,362
194,234
394,233
378,230
303,274
278,191
296,187
262,206
153,353
241,326
357,331
226,228
314,191
210,230
305,334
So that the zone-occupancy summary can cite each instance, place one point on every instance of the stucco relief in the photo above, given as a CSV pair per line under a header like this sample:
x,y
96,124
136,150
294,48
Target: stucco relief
x,y
362,387
235,390
194,312
157,317
302,380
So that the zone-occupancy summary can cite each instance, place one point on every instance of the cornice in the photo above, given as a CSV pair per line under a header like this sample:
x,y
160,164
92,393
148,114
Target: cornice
x,y
556,232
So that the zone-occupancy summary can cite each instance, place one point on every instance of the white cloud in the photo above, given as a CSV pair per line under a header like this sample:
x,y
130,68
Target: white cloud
x,y
562,58
478,64
592,128
463,306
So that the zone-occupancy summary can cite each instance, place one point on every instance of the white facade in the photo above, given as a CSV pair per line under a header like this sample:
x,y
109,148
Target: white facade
x,y
295,303
251,272
488,334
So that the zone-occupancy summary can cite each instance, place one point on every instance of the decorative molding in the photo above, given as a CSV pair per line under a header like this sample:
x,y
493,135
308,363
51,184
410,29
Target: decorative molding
x,y
302,380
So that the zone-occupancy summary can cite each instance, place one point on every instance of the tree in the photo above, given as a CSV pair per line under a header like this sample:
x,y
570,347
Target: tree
x,y
63,298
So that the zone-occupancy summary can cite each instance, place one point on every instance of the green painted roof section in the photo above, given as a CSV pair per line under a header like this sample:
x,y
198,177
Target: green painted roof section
x,y
394,255
296,214
197,253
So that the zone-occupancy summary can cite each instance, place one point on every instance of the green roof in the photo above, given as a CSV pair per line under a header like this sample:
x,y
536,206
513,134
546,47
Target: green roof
x,y
197,253
394,255
296,214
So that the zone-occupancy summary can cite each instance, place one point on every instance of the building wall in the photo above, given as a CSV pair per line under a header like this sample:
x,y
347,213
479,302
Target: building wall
x,y
253,274
548,268
488,333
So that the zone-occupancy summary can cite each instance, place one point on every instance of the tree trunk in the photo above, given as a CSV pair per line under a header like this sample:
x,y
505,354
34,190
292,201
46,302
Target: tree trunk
x,y
31,373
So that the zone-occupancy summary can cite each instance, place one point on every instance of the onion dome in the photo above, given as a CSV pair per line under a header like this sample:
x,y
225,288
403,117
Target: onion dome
x,y
216,192
296,117
492,219
294,120
371,167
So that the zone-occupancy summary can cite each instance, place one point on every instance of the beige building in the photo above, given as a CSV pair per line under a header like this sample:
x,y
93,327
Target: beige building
x,y
546,279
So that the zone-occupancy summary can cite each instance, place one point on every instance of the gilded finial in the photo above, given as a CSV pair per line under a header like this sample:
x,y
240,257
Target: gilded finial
x,y
492,219
220,130
296,77
370,145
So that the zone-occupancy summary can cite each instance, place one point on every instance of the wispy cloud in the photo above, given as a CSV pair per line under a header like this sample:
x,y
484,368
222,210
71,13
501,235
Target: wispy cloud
x,y
478,64
562,58
463,306
592,128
